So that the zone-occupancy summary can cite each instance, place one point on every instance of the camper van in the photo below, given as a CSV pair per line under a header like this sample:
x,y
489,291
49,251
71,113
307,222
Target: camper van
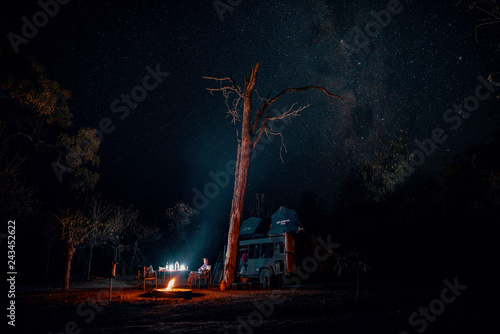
x,y
272,254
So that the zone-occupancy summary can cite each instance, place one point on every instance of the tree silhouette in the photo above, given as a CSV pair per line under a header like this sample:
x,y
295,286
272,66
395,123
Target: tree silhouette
x,y
118,221
16,194
36,124
97,213
239,103
38,119
75,229
489,22
141,234
180,217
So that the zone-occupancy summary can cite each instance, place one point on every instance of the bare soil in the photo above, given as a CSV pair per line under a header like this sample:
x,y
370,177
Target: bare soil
x,y
384,308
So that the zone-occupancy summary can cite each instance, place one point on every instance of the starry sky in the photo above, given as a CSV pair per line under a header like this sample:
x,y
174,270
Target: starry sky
x,y
397,84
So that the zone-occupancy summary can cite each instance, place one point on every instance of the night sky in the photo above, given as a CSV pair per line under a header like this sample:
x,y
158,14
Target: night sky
x,y
397,86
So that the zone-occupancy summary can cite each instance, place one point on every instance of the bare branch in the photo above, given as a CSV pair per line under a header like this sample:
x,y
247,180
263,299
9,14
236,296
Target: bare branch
x,y
226,89
493,82
222,89
268,102
283,146
291,112
475,5
491,10
217,79
303,89
233,86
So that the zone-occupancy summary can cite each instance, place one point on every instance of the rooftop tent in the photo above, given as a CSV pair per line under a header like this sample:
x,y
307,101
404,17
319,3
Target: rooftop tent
x,y
284,220
250,226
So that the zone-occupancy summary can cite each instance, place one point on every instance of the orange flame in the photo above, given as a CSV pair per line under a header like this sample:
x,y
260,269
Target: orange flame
x,y
170,285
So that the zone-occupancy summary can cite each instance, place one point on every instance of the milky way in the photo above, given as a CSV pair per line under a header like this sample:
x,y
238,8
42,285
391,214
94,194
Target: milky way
x,y
398,74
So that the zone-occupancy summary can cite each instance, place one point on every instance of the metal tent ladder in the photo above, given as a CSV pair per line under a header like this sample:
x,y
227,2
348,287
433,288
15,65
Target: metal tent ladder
x,y
217,272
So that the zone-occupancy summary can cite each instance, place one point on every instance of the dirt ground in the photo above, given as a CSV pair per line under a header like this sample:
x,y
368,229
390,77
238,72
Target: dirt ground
x,y
384,308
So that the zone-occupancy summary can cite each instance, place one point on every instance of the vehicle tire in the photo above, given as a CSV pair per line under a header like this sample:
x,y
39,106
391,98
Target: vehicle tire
x,y
262,277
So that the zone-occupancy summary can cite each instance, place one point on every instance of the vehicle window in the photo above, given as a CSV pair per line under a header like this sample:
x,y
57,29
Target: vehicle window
x,y
267,250
253,251
279,247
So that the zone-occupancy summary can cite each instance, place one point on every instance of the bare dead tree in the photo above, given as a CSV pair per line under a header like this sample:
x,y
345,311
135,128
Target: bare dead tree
x,y
119,219
490,10
16,195
97,213
239,104
142,234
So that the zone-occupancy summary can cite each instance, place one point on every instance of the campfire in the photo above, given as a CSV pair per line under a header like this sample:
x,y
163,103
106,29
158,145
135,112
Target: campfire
x,y
172,292
170,286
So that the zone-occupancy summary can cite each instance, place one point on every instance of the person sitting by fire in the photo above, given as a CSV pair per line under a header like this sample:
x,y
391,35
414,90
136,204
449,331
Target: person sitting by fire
x,y
196,274
150,272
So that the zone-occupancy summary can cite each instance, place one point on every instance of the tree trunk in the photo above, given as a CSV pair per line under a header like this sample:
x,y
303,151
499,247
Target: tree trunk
x,y
240,182
69,258
117,251
47,263
116,246
235,219
358,287
90,261
248,133
135,256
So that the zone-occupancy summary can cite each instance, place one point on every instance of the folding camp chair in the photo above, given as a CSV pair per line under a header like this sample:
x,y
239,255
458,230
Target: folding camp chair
x,y
205,275
146,276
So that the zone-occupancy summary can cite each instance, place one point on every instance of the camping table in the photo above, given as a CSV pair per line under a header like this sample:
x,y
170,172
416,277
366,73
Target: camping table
x,y
179,275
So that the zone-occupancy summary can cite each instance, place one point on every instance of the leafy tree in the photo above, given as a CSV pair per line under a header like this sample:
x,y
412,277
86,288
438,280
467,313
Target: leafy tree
x,y
75,229
471,180
180,217
82,150
36,122
42,96
36,127
375,182
351,261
